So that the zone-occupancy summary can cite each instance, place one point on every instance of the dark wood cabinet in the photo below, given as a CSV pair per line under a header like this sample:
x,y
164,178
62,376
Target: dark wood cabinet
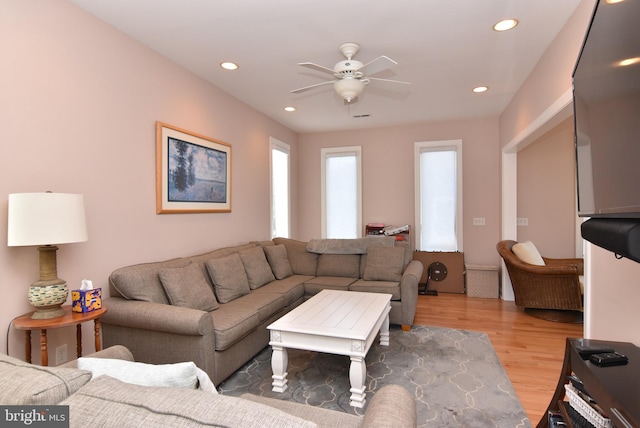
x,y
616,389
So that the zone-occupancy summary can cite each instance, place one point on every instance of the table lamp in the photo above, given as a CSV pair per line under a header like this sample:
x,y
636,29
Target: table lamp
x,y
46,219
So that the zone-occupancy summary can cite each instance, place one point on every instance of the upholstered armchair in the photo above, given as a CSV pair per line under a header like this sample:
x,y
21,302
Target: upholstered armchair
x,y
546,288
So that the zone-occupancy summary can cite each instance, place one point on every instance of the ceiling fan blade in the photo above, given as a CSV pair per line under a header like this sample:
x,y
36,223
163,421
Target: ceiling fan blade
x,y
296,91
377,65
317,67
388,80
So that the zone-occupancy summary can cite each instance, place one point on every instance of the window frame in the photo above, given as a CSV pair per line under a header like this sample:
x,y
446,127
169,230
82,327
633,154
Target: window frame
x,y
335,152
275,144
432,146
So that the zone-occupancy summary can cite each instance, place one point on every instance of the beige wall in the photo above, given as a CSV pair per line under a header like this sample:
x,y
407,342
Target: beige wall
x,y
547,193
78,111
388,178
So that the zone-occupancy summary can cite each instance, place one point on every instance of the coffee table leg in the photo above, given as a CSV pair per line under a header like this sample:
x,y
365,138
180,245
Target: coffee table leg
x,y
357,376
279,362
384,332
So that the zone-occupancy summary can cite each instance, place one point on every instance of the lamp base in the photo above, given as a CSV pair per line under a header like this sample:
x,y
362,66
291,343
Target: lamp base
x,y
48,299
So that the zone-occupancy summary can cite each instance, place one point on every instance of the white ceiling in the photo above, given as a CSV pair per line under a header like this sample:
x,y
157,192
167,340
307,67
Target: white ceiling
x,y
443,47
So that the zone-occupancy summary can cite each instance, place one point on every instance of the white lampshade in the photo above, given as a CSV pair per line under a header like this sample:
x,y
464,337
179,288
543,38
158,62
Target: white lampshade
x,y
46,219
348,88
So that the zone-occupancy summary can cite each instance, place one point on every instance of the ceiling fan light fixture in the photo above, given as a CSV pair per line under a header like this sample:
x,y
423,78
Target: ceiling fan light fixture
x,y
348,89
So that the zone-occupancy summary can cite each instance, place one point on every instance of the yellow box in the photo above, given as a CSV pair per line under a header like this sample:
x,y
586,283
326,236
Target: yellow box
x,y
86,300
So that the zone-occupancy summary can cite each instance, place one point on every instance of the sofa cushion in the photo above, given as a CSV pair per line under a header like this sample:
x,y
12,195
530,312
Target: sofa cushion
x,y
110,402
302,262
349,246
228,276
319,283
528,253
256,266
339,265
187,287
384,264
233,321
278,260
141,282
389,287
291,287
28,384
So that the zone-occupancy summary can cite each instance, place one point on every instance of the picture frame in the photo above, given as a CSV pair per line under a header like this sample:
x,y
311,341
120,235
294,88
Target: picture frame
x,y
193,172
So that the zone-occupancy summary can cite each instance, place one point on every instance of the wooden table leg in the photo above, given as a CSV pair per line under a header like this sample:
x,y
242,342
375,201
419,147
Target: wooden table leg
x,y
43,347
27,346
96,328
79,340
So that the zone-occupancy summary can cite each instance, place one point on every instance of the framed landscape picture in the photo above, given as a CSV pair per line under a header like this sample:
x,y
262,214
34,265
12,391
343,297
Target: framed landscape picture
x,y
193,172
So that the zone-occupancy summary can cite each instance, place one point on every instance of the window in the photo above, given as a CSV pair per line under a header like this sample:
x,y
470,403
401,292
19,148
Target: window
x,y
280,200
438,170
341,192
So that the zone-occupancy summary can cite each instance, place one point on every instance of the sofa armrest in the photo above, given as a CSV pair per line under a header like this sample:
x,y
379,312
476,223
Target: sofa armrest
x,y
117,352
392,406
157,317
409,292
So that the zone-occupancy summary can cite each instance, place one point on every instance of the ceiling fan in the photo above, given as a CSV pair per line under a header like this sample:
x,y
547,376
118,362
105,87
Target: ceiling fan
x,y
349,75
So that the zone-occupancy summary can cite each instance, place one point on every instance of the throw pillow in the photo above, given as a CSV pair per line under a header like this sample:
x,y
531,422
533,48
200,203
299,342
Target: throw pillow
x,y
181,375
229,278
277,257
384,264
187,287
28,384
528,253
256,266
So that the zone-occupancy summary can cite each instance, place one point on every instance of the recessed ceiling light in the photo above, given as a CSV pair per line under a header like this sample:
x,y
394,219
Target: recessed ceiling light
x,y
505,24
629,61
479,89
614,1
227,65
289,108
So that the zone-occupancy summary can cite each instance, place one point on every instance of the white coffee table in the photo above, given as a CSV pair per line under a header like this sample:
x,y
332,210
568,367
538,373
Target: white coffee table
x,y
335,322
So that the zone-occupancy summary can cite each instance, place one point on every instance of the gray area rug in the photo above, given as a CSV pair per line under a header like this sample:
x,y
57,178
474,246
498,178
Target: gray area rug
x,y
455,376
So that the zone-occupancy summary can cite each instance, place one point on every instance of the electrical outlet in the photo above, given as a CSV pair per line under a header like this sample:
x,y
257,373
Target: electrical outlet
x,y
61,354
479,221
523,221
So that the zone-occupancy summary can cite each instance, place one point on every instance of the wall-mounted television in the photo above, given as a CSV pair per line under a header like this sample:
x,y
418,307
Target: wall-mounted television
x,y
606,103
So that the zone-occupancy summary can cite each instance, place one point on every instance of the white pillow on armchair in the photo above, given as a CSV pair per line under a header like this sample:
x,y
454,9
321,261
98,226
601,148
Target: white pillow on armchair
x,y
528,253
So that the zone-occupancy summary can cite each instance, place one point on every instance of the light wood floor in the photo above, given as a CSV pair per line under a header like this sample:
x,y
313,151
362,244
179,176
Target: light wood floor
x,y
531,350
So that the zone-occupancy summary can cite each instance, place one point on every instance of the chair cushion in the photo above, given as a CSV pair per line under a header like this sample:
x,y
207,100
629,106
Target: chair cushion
x,y
187,287
277,257
229,277
384,264
528,253
28,384
256,266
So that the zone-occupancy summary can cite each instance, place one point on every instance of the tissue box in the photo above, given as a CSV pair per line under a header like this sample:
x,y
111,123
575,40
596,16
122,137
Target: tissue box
x,y
86,300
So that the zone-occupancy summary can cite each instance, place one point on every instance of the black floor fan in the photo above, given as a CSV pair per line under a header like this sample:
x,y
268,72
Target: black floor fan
x,y
436,272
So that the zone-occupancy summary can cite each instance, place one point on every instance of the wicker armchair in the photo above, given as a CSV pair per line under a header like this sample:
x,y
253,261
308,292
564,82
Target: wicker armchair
x,y
551,292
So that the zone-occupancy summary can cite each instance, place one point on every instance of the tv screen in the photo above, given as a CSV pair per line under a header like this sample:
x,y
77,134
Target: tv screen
x,y
606,92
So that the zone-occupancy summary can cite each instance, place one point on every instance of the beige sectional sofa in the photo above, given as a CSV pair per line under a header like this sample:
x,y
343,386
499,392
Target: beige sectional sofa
x,y
213,308
112,400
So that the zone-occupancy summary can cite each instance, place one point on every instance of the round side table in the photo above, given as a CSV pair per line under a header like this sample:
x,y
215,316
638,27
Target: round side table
x,y
25,322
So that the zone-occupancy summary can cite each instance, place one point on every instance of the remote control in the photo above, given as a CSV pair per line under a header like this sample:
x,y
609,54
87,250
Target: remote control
x,y
609,359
